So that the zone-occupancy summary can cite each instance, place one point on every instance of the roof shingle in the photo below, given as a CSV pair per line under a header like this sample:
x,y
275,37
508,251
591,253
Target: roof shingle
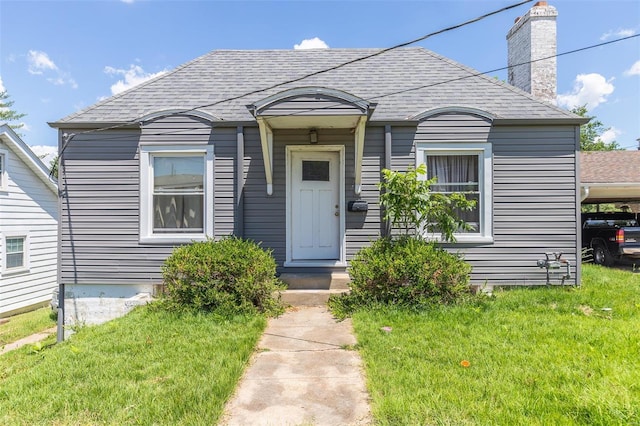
x,y
610,167
404,82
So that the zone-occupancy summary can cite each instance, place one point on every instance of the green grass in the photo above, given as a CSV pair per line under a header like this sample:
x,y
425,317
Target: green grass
x,y
537,357
26,324
149,367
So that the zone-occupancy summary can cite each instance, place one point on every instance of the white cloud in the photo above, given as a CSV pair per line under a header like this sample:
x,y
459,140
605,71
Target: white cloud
x,y
132,77
39,62
58,81
45,152
588,89
2,88
634,70
63,80
610,135
311,43
619,33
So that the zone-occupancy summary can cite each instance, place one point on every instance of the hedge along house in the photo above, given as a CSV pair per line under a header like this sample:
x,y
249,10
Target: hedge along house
x,y
206,151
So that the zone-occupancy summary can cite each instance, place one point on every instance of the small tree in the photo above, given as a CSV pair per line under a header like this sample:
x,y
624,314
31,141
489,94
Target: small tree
x,y
412,207
8,115
53,166
591,132
408,270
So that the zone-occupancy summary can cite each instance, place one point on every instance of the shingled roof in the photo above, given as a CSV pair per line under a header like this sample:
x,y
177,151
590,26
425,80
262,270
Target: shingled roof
x,y
403,82
610,167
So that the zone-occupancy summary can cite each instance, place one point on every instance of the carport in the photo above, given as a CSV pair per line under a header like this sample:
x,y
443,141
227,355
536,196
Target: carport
x,y
610,177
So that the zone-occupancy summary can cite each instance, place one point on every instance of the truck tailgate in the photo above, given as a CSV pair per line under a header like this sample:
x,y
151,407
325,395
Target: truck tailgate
x,y
630,241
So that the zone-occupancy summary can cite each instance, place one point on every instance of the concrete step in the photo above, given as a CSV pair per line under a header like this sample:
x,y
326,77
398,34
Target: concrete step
x,y
316,281
309,297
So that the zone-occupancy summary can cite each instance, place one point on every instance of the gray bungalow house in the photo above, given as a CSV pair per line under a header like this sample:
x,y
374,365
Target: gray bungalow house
x,y
286,147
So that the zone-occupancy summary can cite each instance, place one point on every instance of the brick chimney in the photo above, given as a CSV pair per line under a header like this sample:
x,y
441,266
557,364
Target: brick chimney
x,y
533,36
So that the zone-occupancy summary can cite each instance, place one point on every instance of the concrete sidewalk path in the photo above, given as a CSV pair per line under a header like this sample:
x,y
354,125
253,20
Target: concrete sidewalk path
x,y
303,373
29,340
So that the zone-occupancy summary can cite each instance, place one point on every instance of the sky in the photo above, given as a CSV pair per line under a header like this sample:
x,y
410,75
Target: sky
x,y
57,57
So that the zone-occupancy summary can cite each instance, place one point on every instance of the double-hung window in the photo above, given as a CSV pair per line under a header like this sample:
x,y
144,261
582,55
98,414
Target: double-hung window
x,y
463,168
16,253
176,193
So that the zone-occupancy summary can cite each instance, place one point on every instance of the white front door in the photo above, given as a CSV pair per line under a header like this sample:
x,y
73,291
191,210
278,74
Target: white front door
x,y
315,205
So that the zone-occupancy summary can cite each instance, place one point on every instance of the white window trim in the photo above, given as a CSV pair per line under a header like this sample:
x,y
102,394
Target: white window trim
x,y
485,175
4,175
146,194
26,253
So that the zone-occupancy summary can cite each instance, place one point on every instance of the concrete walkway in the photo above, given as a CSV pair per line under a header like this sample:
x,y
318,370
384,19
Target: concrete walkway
x,y
302,374
29,340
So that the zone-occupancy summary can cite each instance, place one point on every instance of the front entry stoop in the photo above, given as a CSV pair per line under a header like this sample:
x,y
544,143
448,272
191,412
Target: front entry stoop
x,y
313,289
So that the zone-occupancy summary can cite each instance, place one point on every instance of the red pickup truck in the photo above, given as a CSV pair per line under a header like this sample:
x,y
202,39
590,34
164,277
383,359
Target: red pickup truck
x,y
611,236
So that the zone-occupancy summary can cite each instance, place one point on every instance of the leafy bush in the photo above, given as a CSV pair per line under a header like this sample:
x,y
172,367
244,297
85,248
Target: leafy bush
x,y
230,275
406,271
413,208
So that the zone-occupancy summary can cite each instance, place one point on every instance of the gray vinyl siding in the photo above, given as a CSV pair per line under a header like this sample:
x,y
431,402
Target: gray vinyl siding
x,y
403,152
363,228
534,204
99,182
265,216
534,193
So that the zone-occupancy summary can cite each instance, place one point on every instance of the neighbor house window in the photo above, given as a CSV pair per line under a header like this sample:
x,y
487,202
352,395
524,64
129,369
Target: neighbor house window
x,y
463,168
15,253
176,193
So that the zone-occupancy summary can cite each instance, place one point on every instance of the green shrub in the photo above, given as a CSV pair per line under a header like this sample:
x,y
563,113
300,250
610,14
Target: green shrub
x,y
406,271
231,275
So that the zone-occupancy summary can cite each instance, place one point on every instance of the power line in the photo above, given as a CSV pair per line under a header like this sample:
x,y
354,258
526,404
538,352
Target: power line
x,y
426,86
504,68
333,68
69,137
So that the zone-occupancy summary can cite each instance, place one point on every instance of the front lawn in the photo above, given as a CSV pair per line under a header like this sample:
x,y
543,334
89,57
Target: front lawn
x,y
149,367
23,325
530,356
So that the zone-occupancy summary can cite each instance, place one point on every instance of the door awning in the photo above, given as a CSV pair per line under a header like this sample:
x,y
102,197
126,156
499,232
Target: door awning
x,y
311,108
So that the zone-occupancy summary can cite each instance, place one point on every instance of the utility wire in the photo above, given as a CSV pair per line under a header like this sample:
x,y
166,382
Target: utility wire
x,y
505,68
70,136
392,93
333,68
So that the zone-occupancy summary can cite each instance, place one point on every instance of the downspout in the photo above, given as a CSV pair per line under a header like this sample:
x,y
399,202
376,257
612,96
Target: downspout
x,y
60,319
239,213
584,193
578,207
388,138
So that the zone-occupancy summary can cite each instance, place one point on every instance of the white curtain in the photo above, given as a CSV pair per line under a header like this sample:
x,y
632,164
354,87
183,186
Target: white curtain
x,y
175,213
457,173
178,194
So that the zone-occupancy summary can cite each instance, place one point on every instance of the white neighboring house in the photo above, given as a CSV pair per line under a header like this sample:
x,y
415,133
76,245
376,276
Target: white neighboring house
x,y
28,227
